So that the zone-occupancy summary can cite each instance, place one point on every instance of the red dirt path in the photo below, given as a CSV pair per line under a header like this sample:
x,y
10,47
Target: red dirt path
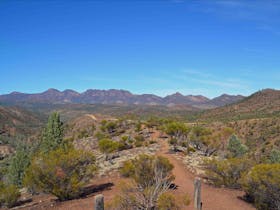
x,y
212,198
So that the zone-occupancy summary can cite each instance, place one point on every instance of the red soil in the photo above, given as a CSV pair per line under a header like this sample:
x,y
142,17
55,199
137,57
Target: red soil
x,y
212,198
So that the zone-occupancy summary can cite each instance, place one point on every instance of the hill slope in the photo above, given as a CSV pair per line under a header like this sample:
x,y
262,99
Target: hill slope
x,y
18,122
265,103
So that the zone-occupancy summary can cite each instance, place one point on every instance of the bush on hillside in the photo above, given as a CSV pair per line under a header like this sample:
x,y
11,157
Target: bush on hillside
x,y
227,172
62,173
108,146
236,148
151,176
9,195
262,186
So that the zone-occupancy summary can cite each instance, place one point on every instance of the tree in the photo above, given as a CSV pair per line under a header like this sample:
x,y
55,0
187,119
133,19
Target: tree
x,y
52,136
151,176
18,165
262,186
62,172
235,147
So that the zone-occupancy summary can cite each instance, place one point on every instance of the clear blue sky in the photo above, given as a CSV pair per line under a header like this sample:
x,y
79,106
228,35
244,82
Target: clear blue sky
x,y
194,47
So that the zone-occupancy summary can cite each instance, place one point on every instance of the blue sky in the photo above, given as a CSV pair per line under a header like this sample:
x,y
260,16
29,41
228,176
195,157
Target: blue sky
x,y
161,47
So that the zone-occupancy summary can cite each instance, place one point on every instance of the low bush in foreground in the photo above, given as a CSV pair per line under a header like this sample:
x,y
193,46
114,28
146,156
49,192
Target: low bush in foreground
x,y
148,186
262,186
9,195
61,172
227,172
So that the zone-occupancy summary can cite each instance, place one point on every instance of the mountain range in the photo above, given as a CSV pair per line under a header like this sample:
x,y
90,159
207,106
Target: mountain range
x,y
114,96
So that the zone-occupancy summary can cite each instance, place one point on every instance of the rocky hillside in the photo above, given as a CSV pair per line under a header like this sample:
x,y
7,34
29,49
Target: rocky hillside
x,y
264,103
113,96
15,121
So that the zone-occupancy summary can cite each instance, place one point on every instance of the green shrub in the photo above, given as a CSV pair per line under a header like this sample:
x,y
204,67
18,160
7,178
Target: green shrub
x,y
62,173
151,176
227,172
235,147
52,136
142,169
262,185
9,195
19,162
107,146
274,156
167,201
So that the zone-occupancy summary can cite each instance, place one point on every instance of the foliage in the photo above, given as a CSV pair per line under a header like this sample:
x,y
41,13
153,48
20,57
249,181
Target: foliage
x,y
145,167
235,147
227,172
62,173
262,185
9,195
176,129
108,126
52,136
274,156
151,176
167,201
200,136
107,146
18,165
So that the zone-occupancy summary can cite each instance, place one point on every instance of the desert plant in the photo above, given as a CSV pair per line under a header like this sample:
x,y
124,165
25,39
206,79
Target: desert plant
x,y
151,176
9,195
262,186
61,172
167,201
19,162
108,146
227,172
274,156
235,147
52,136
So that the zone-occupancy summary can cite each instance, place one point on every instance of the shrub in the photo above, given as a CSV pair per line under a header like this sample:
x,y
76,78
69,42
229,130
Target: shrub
x,y
19,163
143,170
107,146
62,173
274,156
151,176
227,172
9,195
52,136
235,147
167,201
262,185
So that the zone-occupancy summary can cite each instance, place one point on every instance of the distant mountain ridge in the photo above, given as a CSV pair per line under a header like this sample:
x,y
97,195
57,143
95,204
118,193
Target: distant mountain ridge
x,y
113,96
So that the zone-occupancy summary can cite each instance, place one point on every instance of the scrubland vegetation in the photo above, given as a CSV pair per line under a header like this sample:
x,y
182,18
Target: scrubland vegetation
x,y
62,160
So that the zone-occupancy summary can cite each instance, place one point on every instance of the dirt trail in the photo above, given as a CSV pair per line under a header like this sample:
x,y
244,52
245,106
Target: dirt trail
x,y
212,198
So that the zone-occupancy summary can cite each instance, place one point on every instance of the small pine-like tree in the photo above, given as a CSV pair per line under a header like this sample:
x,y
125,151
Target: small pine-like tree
x,y
19,163
235,147
52,137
